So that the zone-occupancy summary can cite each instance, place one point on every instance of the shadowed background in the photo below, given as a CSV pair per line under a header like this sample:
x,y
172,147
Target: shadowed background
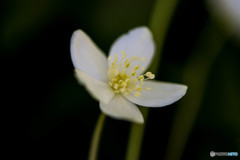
x,y
46,113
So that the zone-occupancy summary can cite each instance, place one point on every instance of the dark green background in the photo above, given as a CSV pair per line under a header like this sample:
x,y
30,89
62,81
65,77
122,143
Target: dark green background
x,y
47,114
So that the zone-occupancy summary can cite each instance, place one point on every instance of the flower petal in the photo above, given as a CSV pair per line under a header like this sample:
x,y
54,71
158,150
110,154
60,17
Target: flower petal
x,y
161,94
120,108
99,90
87,57
137,42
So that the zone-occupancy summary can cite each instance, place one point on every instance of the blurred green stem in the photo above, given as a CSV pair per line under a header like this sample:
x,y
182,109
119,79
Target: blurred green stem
x,y
135,138
96,137
159,22
195,76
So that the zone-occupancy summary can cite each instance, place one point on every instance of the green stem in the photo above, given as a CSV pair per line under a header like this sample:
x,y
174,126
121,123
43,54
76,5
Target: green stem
x,y
96,138
159,22
135,138
195,76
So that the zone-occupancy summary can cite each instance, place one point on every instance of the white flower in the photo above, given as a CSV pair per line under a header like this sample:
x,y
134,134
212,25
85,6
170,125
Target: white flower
x,y
118,82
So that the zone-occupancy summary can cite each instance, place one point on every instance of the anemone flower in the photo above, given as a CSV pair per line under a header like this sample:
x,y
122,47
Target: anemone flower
x,y
120,81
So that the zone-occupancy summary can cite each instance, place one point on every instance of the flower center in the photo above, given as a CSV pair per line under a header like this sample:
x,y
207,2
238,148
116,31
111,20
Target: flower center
x,y
124,75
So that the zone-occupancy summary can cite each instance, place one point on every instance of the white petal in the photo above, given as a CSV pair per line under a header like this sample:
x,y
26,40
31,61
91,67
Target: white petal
x,y
87,57
120,108
161,94
99,90
137,42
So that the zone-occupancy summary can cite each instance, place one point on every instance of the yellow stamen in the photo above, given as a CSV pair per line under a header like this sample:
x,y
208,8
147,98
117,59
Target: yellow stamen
x,y
123,54
125,79
109,58
137,94
136,67
133,73
143,59
141,77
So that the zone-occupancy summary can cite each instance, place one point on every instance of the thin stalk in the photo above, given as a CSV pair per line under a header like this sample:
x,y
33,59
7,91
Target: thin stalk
x,y
93,152
135,138
158,24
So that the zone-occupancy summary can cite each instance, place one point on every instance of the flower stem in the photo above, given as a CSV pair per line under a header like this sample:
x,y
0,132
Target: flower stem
x,y
96,138
159,22
136,136
161,16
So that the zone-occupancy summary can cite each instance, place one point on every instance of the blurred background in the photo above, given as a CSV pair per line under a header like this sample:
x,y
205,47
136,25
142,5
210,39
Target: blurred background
x,y
46,113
